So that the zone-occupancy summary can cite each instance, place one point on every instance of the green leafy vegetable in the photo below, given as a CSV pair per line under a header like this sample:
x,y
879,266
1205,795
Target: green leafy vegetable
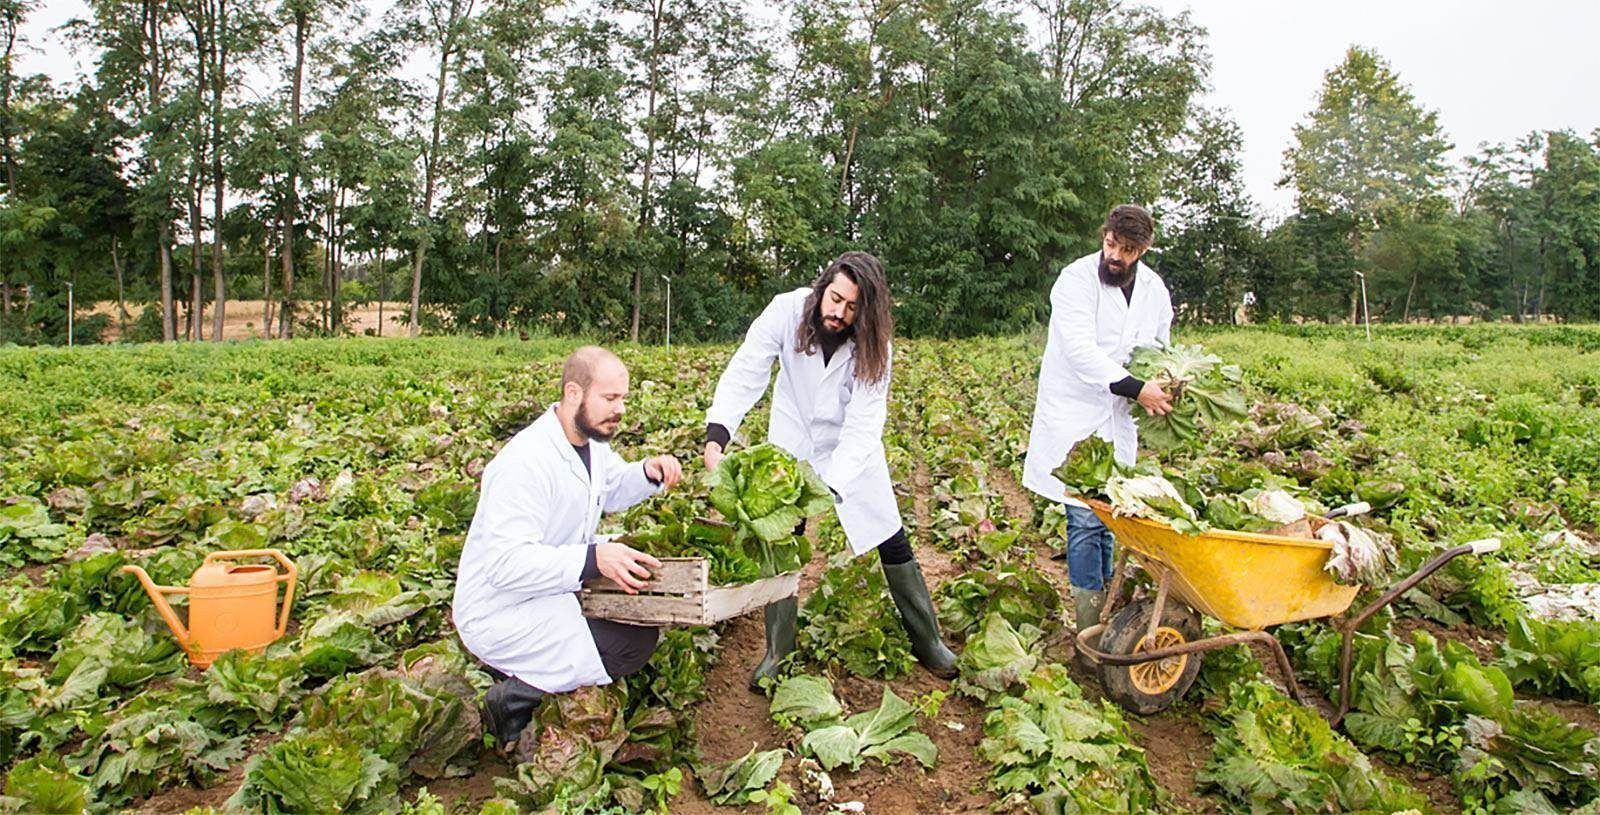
x,y
834,742
842,622
1204,392
765,493
1273,755
27,535
734,783
998,657
1058,752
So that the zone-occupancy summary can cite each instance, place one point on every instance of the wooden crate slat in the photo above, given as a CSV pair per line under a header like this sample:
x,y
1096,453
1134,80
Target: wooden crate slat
x,y
677,575
689,602
645,609
723,602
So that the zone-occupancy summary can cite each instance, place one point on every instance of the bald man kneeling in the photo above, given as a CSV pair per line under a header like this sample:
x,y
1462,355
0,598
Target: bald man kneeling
x,y
532,544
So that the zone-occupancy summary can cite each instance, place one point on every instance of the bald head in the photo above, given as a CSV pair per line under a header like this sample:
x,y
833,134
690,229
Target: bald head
x,y
586,363
594,385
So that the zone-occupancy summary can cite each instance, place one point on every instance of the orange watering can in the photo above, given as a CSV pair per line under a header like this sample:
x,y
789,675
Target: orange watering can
x,y
231,605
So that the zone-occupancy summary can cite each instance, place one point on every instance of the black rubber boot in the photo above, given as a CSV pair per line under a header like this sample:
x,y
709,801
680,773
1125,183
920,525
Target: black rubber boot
x,y
910,593
783,621
507,709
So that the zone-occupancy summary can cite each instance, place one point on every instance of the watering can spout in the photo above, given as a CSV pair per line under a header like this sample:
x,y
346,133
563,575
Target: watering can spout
x,y
158,595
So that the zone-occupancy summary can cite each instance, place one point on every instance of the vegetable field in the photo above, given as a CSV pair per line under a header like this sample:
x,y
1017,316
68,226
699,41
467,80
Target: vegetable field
x,y
359,459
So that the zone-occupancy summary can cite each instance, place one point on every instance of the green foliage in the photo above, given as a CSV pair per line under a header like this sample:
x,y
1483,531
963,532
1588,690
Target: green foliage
x,y
738,781
1205,393
842,621
1272,754
836,741
1051,748
997,658
765,493
674,527
1016,592
43,786
27,535
1554,658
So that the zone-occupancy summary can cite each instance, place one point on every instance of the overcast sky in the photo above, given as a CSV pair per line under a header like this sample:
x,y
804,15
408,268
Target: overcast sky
x,y
1494,70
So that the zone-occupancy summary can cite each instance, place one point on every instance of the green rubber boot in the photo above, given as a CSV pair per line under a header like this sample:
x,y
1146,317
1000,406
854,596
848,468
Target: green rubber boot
x,y
910,593
782,620
1087,604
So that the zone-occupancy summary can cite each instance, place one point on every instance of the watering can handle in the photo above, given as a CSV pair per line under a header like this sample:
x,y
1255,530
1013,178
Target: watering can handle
x,y
289,575
158,595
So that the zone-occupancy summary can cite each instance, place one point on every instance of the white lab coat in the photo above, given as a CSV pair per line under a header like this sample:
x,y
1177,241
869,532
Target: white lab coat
x,y
1093,332
516,603
820,414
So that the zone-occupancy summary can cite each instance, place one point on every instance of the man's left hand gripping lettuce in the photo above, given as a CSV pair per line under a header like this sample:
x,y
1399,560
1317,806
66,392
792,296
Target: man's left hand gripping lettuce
x,y
1203,390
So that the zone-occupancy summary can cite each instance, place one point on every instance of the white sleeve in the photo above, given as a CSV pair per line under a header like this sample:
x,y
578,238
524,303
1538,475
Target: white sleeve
x,y
1072,331
861,437
750,370
518,559
1164,327
626,484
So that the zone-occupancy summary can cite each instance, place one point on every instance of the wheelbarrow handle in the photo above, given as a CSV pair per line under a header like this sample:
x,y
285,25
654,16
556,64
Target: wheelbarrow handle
x,y
1350,510
1485,546
1347,627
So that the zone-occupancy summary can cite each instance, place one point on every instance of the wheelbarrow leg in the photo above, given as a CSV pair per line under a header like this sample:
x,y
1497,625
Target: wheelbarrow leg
x,y
1347,627
1119,573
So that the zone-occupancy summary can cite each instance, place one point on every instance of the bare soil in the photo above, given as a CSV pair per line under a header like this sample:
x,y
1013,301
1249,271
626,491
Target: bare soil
x,y
242,318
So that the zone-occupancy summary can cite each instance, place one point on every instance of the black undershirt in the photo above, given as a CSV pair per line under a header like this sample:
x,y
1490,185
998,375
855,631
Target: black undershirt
x,y
1128,387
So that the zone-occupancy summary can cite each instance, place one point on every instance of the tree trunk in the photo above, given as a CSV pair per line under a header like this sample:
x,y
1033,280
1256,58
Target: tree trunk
x,y
152,19
266,283
219,48
447,41
1405,314
197,267
291,196
12,21
338,261
1538,304
122,308
327,263
197,180
657,7
383,290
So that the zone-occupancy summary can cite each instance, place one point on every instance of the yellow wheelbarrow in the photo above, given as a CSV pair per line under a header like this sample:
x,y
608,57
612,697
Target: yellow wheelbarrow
x,y
1149,651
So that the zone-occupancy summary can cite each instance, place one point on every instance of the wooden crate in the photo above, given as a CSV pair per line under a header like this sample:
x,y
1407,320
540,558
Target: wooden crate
x,y
681,594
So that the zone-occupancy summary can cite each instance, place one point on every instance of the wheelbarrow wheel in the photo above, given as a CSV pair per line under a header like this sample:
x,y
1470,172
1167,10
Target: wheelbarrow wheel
x,y
1152,686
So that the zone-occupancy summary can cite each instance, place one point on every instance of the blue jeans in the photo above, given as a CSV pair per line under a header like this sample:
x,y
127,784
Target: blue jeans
x,y
1090,548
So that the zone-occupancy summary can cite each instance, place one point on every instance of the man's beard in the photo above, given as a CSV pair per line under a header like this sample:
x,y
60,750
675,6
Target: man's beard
x,y
581,419
1112,276
832,333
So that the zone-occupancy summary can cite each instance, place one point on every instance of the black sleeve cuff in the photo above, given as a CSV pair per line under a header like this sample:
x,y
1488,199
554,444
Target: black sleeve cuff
x,y
1128,387
719,434
590,570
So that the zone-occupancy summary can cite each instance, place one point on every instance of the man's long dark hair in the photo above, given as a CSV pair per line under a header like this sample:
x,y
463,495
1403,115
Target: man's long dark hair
x,y
874,324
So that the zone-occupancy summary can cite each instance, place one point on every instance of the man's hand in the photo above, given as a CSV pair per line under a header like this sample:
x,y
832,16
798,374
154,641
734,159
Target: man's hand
x,y
1154,400
713,455
664,469
626,566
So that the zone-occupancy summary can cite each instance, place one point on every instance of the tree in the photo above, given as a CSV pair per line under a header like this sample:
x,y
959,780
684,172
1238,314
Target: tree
x,y
1367,150
1369,154
1208,241
439,25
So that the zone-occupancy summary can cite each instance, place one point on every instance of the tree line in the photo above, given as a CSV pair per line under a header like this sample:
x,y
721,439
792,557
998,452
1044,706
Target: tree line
x,y
548,166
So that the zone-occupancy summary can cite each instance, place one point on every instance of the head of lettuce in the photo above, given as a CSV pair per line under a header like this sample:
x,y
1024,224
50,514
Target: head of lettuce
x,y
765,493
